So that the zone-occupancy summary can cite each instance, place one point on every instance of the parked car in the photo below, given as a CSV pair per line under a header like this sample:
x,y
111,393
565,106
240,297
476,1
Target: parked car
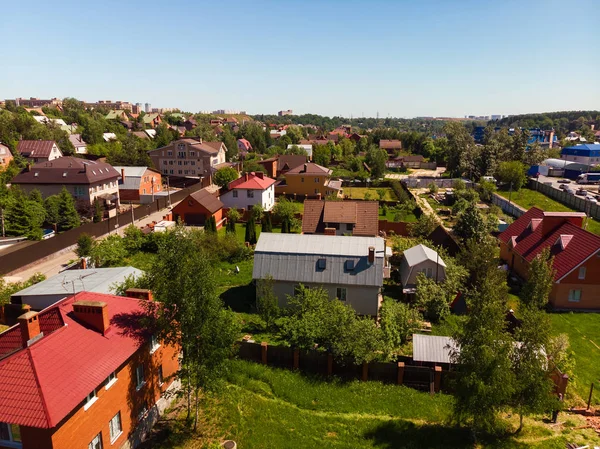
x,y
570,190
591,199
564,181
581,192
563,187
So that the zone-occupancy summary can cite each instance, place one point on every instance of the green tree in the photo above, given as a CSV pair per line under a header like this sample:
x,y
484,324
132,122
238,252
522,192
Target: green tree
x,y
267,224
381,194
424,226
322,155
431,298
257,212
512,173
133,239
69,218
285,212
536,290
233,217
230,143
210,226
109,252
250,236
398,321
52,206
266,301
376,159
85,245
224,176
471,224
98,212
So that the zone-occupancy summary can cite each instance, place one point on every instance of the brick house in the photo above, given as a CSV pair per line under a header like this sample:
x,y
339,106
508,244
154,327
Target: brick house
x,y
83,373
197,207
138,183
341,218
39,150
248,190
282,163
5,156
576,255
309,180
152,120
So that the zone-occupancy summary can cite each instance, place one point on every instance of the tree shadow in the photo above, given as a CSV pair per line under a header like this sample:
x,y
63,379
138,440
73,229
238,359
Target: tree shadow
x,y
241,298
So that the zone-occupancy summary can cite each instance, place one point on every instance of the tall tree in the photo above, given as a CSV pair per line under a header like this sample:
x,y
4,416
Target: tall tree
x,y
471,224
376,159
232,218
536,290
69,218
267,224
250,236
230,143
224,176
266,301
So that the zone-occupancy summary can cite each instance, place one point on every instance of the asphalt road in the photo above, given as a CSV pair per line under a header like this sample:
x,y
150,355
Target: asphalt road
x,y
591,188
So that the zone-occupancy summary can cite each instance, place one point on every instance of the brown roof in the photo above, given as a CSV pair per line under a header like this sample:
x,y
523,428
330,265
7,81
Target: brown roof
x,y
290,161
35,148
363,214
309,168
207,200
415,158
67,170
205,147
390,144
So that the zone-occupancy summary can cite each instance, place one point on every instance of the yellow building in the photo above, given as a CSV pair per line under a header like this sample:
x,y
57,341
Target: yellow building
x,y
309,181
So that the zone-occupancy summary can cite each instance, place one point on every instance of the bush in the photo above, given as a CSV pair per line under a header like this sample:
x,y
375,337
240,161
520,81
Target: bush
x,y
85,244
433,187
398,322
401,194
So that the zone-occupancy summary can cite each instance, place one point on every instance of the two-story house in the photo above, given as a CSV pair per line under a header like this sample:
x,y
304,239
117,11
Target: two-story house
x,y
309,180
341,217
39,150
139,184
250,189
576,254
83,373
351,269
188,157
78,143
85,180
5,156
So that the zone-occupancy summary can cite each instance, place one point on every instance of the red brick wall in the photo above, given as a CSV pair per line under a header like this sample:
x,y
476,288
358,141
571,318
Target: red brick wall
x,y
129,195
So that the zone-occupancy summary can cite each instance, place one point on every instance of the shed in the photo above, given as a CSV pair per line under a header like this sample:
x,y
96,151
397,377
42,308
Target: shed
x,y
433,349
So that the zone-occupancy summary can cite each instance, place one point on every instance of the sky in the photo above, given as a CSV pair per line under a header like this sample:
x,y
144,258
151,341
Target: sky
x,y
348,58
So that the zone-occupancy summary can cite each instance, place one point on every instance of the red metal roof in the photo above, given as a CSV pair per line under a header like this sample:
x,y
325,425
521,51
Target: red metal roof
x,y
252,181
46,381
35,148
532,237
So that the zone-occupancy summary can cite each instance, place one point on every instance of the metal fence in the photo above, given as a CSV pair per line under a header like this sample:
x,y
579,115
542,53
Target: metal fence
x,y
423,183
568,199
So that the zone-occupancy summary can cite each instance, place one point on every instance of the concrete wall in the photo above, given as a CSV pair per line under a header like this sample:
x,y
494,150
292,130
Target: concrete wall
x,y
572,201
507,207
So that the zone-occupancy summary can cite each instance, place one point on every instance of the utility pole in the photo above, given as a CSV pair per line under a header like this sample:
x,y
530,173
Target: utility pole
x,y
168,192
2,220
132,216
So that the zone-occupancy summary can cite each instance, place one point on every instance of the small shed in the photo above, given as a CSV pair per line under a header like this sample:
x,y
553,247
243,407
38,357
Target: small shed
x,y
420,259
433,349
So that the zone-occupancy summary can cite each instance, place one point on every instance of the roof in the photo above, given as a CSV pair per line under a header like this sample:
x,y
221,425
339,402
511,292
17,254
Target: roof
x,y
77,141
421,253
413,158
252,181
441,237
363,214
43,383
97,280
4,150
309,168
289,161
294,258
35,148
140,134
587,149
432,348
136,172
149,118
67,170
390,144
205,147
528,240
245,144
207,200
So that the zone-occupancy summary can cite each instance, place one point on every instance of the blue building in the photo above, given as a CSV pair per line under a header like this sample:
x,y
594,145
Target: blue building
x,y
546,138
587,154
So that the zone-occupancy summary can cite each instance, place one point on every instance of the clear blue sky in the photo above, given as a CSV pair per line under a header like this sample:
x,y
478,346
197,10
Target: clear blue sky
x,y
402,58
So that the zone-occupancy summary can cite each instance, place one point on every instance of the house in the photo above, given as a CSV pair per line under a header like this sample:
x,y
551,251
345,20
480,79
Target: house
x,y
93,280
441,237
139,184
119,115
305,146
190,123
109,136
85,180
350,269
197,207
414,161
250,189
5,156
244,147
341,218
231,121
420,259
83,373
152,120
588,154
141,134
282,163
39,150
78,143
391,146
309,180
189,157
576,255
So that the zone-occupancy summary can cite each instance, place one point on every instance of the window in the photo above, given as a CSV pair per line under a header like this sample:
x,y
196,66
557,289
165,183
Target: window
x,y
179,163
192,153
144,191
301,179
115,427
181,146
316,179
429,272
349,265
574,295
250,193
582,271
341,293
235,193
169,153
90,399
96,443
139,376
110,380
348,226
322,264
316,191
154,344
10,433
160,375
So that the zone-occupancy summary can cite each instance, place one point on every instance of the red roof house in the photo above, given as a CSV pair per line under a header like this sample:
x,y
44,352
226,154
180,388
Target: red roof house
x,y
248,190
198,207
576,255
39,150
79,372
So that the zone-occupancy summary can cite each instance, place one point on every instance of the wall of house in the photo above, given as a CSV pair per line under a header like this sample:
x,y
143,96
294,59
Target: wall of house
x,y
145,187
185,208
516,263
266,198
79,191
589,286
426,265
309,185
365,300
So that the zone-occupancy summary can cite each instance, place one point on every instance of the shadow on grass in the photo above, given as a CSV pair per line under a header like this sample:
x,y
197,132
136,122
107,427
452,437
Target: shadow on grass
x,y
241,298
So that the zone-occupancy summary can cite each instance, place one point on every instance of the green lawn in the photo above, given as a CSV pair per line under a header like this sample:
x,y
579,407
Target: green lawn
x,y
389,216
358,193
262,407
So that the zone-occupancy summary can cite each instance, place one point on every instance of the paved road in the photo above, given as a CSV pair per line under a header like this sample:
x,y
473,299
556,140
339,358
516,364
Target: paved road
x,y
591,188
53,265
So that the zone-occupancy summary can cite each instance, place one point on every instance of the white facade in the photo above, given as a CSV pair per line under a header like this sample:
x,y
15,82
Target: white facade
x,y
305,147
247,198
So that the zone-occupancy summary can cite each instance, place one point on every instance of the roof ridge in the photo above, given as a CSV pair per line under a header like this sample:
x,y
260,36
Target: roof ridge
x,y
39,387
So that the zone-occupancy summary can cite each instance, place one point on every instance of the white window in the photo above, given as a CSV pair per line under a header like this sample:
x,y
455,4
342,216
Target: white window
x,y
235,193
90,399
250,193
139,375
341,293
10,433
154,344
96,443
582,271
575,295
110,380
115,427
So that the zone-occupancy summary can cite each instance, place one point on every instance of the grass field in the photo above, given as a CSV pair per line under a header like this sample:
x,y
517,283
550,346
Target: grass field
x,y
528,198
262,407
358,193
389,216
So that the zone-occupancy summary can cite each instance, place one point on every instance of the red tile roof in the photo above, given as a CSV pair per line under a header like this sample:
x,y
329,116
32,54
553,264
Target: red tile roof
x,y
244,142
35,148
536,230
252,181
44,382
363,214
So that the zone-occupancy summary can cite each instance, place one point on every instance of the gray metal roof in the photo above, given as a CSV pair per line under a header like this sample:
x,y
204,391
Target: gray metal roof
x,y
295,258
421,253
97,280
136,172
431,348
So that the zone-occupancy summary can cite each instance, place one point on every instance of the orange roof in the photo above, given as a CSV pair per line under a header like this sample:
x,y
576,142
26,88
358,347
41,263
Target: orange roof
x,y
252,181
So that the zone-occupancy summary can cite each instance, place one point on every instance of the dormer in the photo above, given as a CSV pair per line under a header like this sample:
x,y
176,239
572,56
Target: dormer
x,y
512,242
534,223
563,240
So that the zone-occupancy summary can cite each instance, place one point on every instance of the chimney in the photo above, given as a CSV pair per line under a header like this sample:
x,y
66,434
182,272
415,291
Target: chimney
x,y
305,167
92,313
30,327
246,176
371,254
260,174
329,231
319,195
122,174
553,220
139,293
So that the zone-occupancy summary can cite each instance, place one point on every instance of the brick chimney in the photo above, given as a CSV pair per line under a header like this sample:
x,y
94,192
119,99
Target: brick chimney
x,y
139,293
246,176
30,327
319,195
123,174
260,175
553,220
93,313
371,254
329,231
